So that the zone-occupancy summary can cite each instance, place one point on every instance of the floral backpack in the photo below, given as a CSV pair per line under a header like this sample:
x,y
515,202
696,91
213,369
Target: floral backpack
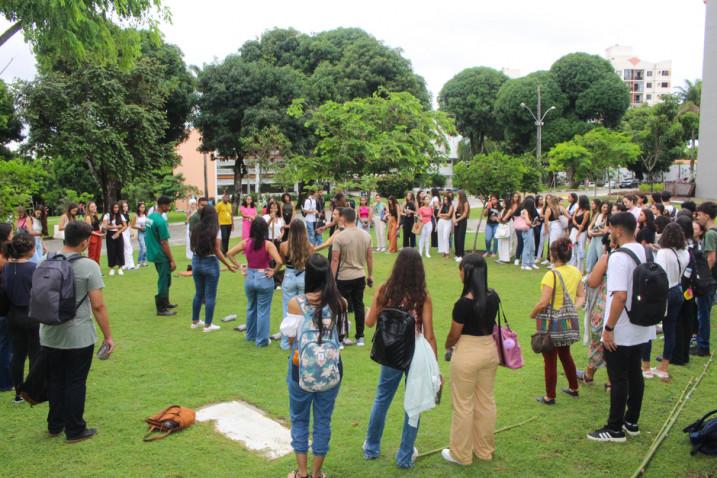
x,y
319,360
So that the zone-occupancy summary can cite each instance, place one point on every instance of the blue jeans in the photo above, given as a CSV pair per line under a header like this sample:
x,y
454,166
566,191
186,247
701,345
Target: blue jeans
x,y
387,384
528,255
259,291
311,232
491,244
595,250
5,355
142,248
704,308
669,323
291,286
300,402
205,272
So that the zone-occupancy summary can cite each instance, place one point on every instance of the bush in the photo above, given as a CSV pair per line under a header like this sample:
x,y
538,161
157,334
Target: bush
x,y
651,187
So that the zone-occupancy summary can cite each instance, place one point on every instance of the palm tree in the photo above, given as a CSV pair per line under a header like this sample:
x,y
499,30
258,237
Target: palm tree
x,y
689,115
690,92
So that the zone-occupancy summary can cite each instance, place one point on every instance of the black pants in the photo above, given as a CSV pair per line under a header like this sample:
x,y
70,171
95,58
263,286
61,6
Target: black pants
x,y
226,234
460,237
434,233
67,389
683,333
115,250
409,238
628,385
519,249
352,290
25,339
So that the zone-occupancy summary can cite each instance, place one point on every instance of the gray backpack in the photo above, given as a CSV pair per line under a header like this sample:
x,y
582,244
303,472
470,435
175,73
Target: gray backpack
x,y
52,299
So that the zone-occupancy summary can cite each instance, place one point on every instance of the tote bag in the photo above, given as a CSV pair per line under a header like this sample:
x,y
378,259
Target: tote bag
x,y
506,341
563,325
502,231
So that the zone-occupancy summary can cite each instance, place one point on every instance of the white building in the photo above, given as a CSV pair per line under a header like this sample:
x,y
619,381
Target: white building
x,y
646,81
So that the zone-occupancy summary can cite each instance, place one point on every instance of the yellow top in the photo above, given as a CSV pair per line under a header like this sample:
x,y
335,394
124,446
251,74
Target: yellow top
x,y
224,211
571,277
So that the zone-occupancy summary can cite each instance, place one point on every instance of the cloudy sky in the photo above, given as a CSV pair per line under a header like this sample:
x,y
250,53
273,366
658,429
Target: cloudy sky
x,y
440,38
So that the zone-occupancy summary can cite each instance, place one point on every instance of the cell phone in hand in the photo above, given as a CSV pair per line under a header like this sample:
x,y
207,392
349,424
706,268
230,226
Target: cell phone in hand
x,y
103,352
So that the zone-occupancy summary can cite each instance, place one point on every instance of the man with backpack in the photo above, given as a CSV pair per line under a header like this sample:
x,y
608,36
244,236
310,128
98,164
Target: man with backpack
x,y
158,251
621,337
705,216
69,345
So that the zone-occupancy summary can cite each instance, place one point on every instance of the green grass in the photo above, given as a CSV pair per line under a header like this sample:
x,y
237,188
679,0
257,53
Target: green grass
x,y
160,361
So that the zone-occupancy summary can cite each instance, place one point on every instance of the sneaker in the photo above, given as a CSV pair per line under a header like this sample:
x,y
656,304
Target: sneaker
x,y
120,272
516,262
606,435
545,262
446,454
631,429
211,328
459,259
360,342
414,455
276,336
112,272
428,256
648,374
347,342
18,400
525,268
197,325
535,267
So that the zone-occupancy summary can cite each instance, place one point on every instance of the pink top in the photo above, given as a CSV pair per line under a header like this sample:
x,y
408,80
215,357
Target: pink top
x,y
363,211
256,259
426,214
247,211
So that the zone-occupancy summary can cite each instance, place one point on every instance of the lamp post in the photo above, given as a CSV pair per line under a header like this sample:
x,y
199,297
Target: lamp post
x,y
539,122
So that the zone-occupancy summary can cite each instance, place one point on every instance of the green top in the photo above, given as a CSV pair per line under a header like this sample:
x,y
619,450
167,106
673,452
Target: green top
x,y
79,332
156,231
710,244
193,220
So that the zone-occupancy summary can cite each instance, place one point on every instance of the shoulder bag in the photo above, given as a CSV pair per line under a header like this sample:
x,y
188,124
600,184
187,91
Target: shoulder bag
x,y
506,341
562,325
172,419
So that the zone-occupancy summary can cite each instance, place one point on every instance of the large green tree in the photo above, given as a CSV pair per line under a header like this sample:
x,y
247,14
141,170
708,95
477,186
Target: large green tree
x,y
74,32
10,124
470,98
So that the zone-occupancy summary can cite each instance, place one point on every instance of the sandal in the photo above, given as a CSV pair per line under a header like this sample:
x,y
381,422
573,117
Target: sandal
x,y
583,377
295,474
545,401
572,393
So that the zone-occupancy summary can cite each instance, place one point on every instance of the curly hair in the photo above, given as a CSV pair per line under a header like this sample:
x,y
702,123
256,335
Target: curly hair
x,y
561,250
22,245
406,287
673,237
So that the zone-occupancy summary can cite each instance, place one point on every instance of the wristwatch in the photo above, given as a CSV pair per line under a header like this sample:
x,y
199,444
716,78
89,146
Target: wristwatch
x,y
608,328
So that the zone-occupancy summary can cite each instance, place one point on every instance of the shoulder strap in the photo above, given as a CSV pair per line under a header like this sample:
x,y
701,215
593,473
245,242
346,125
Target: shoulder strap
x,y
632,255
566,295
677,258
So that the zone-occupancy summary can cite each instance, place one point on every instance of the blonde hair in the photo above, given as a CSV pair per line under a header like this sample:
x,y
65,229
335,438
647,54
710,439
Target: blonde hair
x,y
299,249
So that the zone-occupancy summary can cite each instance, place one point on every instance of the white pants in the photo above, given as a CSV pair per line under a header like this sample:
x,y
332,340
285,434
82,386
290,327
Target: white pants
x,y
380,228
424,240
128,252
444,228
504,249
556,232
579,250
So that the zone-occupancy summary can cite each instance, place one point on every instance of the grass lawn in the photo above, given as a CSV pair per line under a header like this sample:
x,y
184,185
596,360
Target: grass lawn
x,y
160,361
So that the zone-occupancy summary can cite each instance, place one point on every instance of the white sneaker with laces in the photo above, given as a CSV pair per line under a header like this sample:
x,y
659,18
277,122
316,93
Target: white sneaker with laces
x,y
112,272
446,454
545,262
360,342
196,325
120,272
213,327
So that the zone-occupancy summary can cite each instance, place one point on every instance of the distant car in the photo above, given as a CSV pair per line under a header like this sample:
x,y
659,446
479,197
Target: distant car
x,y
629,184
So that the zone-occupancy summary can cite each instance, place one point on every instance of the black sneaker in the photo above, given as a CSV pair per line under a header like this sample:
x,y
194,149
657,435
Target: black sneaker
x,y
606,435
632,429
18,400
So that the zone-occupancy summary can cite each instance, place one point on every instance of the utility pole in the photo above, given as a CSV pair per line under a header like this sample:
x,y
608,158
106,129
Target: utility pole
x,y
539,119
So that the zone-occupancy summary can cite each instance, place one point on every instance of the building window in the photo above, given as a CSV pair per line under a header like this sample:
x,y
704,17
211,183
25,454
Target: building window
x,y
649,73
638,98
664,85
665,72
649,85
648,97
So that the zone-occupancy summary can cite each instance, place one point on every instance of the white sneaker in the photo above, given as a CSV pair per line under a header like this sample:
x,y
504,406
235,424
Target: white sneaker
x,y
414,455
120,272
428,256
196,325
347,342
516,262
525,268
112,272
212,328
360,342
545,262
446,454
535,267
459,259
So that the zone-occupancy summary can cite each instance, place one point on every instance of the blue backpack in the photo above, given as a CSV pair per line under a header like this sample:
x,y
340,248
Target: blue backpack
x,y
319,359
703,435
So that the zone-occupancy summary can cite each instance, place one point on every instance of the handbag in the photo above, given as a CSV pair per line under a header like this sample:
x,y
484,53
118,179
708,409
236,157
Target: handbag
x,y
502,231
172,419
509,353
417,226
520,224
563,325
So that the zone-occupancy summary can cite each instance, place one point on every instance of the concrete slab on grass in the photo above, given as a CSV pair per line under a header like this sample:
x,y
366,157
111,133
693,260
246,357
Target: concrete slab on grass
x,y
242,422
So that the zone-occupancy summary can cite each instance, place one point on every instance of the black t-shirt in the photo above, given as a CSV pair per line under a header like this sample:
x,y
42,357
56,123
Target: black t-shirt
x,y
464,313
17,282
493,215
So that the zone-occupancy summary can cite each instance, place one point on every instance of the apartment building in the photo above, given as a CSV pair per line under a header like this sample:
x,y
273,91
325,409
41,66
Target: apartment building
x,y
647,81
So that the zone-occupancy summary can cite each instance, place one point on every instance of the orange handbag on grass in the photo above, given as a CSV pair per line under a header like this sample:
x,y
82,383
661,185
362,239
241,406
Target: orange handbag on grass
x,y
172,419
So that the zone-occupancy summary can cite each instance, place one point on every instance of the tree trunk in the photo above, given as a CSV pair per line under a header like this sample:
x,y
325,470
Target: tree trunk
x,y
692,155
480,221
14,28
238,178
110,192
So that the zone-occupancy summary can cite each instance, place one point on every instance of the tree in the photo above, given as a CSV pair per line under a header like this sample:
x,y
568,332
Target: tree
x,y
691,92
573,158
18,181
575,73
76,32
10,124
264,147
470,98
162,182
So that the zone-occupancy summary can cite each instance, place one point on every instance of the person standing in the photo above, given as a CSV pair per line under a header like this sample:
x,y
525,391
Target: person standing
x,y
287,212
351,255
192,209
630,202
365,215
492,214
139,224
259,282
380,218
248,214
36,232
425,217
460,224
311,216
531,217
394,218
127,238
159,252
94,249
71,215
226,220
445,226
596,232
705,217
621,338
408,216
539,237
474,363
556,221
70,346
504,243
580,221
114,223
314,314
563,281
405,290
206,244
435,206
5,346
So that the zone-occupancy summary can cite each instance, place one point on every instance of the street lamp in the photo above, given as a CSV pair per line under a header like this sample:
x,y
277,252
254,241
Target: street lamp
x,y
539,122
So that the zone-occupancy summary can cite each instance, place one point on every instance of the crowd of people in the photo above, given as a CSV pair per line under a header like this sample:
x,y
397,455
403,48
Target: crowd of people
x,y
593,249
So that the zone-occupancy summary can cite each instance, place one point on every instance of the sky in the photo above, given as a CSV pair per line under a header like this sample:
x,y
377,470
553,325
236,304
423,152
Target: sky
x,y
439,38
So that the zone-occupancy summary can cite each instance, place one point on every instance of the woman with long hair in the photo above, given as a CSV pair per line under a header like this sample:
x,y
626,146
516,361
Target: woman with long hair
x,y
556,219
318,310
139,223
23,222
94,250
539,237
192,208
394,217
380,219
405,290
275,223
530,216
71,214
562,273
113,222
687,323
364,214
408,216
647,231
5,346
516,205
460,224
287,213
127,238
580,221
596,232
492,212
504,244
474,362
16,285
436,206
206,243
425,216
248,214
36,232
259,281
445,226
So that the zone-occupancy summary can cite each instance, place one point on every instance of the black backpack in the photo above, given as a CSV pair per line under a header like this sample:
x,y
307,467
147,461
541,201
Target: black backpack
x,y
395,339
701,279
649,291
703,435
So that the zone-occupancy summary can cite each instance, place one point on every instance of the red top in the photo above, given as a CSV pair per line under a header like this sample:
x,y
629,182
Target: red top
x,y
426,214
256,259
